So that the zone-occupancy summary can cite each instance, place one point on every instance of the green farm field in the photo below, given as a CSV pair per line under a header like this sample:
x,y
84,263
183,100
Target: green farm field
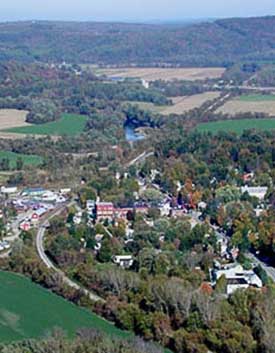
x,y
256,97
68,124
237,126
28,160
29,311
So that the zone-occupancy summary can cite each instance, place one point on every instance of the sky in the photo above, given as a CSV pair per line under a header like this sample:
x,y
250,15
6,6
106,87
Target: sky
x,y
132,10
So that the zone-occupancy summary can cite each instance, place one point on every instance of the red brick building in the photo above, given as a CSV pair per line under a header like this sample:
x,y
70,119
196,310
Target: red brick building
x,y
104,210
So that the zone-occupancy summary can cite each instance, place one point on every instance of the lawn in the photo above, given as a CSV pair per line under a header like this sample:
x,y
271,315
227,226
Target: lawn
x,y
68,124
28,160
237,126
29,311
256,97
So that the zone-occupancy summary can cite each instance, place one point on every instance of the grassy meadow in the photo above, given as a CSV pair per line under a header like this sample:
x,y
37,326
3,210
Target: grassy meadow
x,y
256,98
29,311
68,124
237,126
28,160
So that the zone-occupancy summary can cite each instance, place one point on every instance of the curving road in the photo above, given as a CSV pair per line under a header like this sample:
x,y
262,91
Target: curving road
x,y
140,158
268,269
43,256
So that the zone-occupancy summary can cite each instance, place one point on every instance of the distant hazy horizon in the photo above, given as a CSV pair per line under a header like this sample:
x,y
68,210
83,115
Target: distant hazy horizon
x,y
133,11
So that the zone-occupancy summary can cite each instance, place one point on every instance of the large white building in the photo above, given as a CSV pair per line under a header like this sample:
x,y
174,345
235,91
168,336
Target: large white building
x,y
255,191
238,278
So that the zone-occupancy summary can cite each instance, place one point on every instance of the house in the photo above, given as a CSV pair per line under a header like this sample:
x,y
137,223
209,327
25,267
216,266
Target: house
x,y
49,196
248,177
104,210
123,212
25,226
165,209
36,216
142,209
222,245
90,206
255,191
237,278
178,212
77,218
145,83
65,191
202,205
125,261
9,190
129,233
60,199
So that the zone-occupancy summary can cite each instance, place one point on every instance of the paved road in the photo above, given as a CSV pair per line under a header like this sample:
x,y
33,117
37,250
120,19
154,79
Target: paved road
x,y
43,256
268,269
140,158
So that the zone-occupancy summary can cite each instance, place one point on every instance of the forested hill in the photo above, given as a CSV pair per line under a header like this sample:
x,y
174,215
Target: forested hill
x,y
212,43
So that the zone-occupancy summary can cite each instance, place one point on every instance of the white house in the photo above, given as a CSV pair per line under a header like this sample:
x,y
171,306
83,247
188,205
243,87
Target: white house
x,y
125,261
145,83
165,209
65,191
222,244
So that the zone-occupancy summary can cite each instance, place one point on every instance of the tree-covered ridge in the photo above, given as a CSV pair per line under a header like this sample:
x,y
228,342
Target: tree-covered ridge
x,y
47,91
216,43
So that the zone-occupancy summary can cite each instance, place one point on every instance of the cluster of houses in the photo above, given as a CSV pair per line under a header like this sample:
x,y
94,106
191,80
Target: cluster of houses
x,y
32,204
101,211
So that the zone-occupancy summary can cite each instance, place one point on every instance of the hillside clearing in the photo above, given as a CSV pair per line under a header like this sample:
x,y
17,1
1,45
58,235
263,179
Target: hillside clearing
x,y
237,126
10,118
166,74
